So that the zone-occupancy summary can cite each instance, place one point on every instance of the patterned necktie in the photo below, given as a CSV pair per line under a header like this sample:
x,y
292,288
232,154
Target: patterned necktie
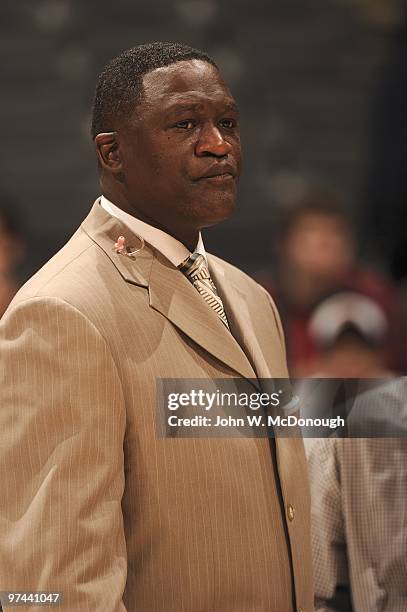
x,y
196,271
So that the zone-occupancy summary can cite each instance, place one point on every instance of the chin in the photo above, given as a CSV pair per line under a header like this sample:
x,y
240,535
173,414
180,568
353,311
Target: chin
x,y
219,210
213,219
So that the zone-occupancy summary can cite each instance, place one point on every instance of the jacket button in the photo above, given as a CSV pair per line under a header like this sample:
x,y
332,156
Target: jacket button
x,y
290,514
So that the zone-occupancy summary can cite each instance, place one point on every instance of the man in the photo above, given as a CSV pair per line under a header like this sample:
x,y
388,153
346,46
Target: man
x,y
94,505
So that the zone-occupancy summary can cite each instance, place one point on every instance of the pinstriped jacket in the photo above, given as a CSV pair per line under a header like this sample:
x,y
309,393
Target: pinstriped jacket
x,y
93,503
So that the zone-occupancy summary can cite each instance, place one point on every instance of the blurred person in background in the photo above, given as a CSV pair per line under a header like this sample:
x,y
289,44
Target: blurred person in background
x,y
11,250
359,485
359,526
349,331
316,255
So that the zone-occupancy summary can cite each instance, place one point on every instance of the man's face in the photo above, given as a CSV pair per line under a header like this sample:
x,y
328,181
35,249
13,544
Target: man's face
x,y
180,151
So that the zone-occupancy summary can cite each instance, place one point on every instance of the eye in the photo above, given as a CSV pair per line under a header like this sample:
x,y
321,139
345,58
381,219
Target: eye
x,y
187,124
228,124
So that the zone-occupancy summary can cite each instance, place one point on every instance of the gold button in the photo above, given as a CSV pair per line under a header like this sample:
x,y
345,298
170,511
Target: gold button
x,y
290,514
300,610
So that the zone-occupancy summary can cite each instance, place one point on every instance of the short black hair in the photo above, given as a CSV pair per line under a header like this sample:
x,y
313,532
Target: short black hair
x,y
119,85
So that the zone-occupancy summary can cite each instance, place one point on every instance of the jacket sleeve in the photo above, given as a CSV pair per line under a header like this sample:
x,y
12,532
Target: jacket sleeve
x,y
62,424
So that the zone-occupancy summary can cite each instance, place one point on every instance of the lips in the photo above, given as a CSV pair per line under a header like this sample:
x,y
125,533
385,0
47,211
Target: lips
x,y
218,178
219,173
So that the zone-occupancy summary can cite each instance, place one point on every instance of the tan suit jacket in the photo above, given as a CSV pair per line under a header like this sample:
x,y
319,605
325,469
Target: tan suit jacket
x,y
92,502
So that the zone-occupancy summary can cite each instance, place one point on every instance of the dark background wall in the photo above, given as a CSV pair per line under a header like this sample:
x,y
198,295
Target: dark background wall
x,y
306,74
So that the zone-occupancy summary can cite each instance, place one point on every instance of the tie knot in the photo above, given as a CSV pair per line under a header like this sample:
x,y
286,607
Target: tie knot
x,y
194,267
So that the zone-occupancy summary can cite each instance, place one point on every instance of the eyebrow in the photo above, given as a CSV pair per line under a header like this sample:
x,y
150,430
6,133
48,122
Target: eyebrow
x,y
179,107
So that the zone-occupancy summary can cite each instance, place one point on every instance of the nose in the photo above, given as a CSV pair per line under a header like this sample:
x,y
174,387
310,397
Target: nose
x,y
211,142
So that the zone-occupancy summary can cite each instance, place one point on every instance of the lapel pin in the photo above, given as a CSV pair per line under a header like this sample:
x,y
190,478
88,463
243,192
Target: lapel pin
x,y
121,248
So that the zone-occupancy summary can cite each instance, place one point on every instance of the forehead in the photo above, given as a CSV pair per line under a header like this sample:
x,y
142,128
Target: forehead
x,y
185,81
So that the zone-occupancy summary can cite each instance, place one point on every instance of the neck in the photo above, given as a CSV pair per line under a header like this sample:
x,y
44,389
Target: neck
x,y
186,235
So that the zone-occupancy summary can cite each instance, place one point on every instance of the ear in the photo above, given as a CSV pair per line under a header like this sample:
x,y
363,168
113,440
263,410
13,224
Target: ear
x,y
108,153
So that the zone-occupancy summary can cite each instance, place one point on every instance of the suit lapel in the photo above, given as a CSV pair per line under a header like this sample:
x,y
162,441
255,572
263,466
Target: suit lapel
x,y
239,317
104,230
170,292
175,297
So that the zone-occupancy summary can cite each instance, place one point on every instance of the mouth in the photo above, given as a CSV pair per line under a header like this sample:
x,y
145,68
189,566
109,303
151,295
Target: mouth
x,y
218,173
218,178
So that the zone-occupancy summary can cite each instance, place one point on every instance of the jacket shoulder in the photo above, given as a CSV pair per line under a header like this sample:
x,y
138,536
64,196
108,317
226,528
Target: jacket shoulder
x,y
66,275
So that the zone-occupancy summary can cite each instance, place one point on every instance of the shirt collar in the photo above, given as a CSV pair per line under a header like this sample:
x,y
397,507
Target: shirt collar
x,y
170,247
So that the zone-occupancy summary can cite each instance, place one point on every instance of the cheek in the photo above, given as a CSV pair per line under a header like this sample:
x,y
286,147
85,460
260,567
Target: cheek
x,y
161,164
237,155
144,170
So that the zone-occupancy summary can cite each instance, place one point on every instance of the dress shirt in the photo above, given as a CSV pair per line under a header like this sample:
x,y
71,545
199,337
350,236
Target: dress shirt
x,y
170,247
